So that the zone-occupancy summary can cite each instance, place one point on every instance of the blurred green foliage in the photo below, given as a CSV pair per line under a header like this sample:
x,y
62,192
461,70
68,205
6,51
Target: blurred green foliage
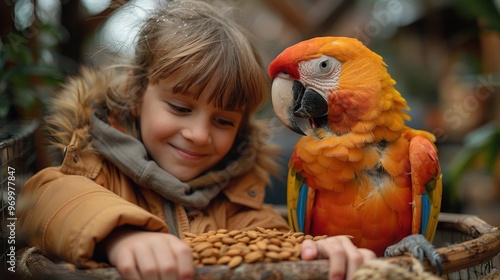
x,y
486,10
480,151
27,71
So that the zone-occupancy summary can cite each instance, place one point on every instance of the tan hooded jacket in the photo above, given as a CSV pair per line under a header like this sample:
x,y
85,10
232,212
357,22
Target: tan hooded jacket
x,y
67,210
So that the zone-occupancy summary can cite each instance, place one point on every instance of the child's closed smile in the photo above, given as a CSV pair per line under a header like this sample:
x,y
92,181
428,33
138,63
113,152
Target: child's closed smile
x,y
188,154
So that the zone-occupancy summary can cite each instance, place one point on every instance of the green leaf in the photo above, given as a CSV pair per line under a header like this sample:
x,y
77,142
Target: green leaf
x,y
18,75
485,9
482,141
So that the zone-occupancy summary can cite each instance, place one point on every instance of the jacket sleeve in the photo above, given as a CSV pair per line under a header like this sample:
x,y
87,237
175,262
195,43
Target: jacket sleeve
x,y
67,215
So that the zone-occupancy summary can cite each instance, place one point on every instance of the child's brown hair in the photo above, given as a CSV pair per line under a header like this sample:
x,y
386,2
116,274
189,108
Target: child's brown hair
x,y
202,38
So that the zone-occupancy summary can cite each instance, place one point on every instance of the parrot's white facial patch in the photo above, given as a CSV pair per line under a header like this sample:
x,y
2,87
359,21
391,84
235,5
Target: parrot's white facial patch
x,y
321,74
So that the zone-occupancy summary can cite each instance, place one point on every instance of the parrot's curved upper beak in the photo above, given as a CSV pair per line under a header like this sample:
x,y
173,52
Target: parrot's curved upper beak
x,y
291,99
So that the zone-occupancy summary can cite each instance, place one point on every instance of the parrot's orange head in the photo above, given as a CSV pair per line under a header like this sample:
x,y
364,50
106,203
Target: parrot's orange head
x,y
331,81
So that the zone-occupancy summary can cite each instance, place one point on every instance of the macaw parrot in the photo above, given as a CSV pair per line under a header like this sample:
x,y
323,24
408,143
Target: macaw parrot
x,y
358,170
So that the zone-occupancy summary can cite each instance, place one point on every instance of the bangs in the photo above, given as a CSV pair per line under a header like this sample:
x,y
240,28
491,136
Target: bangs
x,y
217,69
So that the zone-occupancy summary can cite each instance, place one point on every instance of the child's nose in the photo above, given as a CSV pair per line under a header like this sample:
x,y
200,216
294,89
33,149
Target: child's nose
x,y
199,133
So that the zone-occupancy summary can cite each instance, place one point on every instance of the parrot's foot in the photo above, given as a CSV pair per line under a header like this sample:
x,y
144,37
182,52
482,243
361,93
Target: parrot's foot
x,y
419,247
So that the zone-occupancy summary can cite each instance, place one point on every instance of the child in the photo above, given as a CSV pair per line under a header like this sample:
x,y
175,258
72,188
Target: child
x,y
168,147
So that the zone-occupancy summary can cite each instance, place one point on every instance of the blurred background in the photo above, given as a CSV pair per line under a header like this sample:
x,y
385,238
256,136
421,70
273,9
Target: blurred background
x,y
444,55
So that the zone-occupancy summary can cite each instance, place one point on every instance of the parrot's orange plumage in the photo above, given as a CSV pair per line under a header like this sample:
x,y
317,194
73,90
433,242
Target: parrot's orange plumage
x,y
367,174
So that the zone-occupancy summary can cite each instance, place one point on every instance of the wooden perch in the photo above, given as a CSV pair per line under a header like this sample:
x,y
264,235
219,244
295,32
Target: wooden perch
x,y
483,247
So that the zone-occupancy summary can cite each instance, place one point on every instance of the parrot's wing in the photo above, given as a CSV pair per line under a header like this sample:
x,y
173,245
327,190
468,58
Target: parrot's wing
x,y
299,201
426,196
426,180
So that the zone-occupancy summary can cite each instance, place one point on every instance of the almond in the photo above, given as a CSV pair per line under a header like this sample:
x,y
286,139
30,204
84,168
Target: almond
x,y
234,262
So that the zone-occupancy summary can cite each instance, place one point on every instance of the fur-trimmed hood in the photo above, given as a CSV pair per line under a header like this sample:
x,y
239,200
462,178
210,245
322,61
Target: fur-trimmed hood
x,y
72,107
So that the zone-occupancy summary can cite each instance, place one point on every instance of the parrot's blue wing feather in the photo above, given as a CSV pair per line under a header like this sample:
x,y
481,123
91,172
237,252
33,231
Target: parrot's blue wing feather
x,y
302,206
426,212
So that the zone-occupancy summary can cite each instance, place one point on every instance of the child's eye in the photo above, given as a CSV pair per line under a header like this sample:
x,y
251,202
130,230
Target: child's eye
x,y
179,109
224,122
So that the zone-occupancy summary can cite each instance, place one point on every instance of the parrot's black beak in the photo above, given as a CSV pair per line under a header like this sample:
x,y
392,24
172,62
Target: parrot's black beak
x,y
302,103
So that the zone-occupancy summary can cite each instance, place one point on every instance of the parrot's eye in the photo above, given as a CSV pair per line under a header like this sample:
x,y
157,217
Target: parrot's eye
x,y
325,65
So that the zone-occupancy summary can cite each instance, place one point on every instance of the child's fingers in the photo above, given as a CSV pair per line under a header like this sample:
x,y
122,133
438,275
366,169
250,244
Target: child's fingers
x,y
354,258
175,261
184,260
309,250
166,261
333,249
125,263
367,254
151,256
147,262
344,257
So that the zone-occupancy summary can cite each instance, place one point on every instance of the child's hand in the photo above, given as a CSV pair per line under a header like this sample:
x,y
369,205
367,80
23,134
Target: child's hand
x,y
344,257
149,255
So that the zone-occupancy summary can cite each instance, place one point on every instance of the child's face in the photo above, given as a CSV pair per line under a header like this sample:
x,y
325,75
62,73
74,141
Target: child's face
x,y
184,135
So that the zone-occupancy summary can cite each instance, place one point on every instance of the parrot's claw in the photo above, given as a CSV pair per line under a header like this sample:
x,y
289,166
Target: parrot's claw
x,y
419,247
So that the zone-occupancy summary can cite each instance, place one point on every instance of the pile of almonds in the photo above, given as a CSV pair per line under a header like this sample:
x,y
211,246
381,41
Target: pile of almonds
x,y
232,248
